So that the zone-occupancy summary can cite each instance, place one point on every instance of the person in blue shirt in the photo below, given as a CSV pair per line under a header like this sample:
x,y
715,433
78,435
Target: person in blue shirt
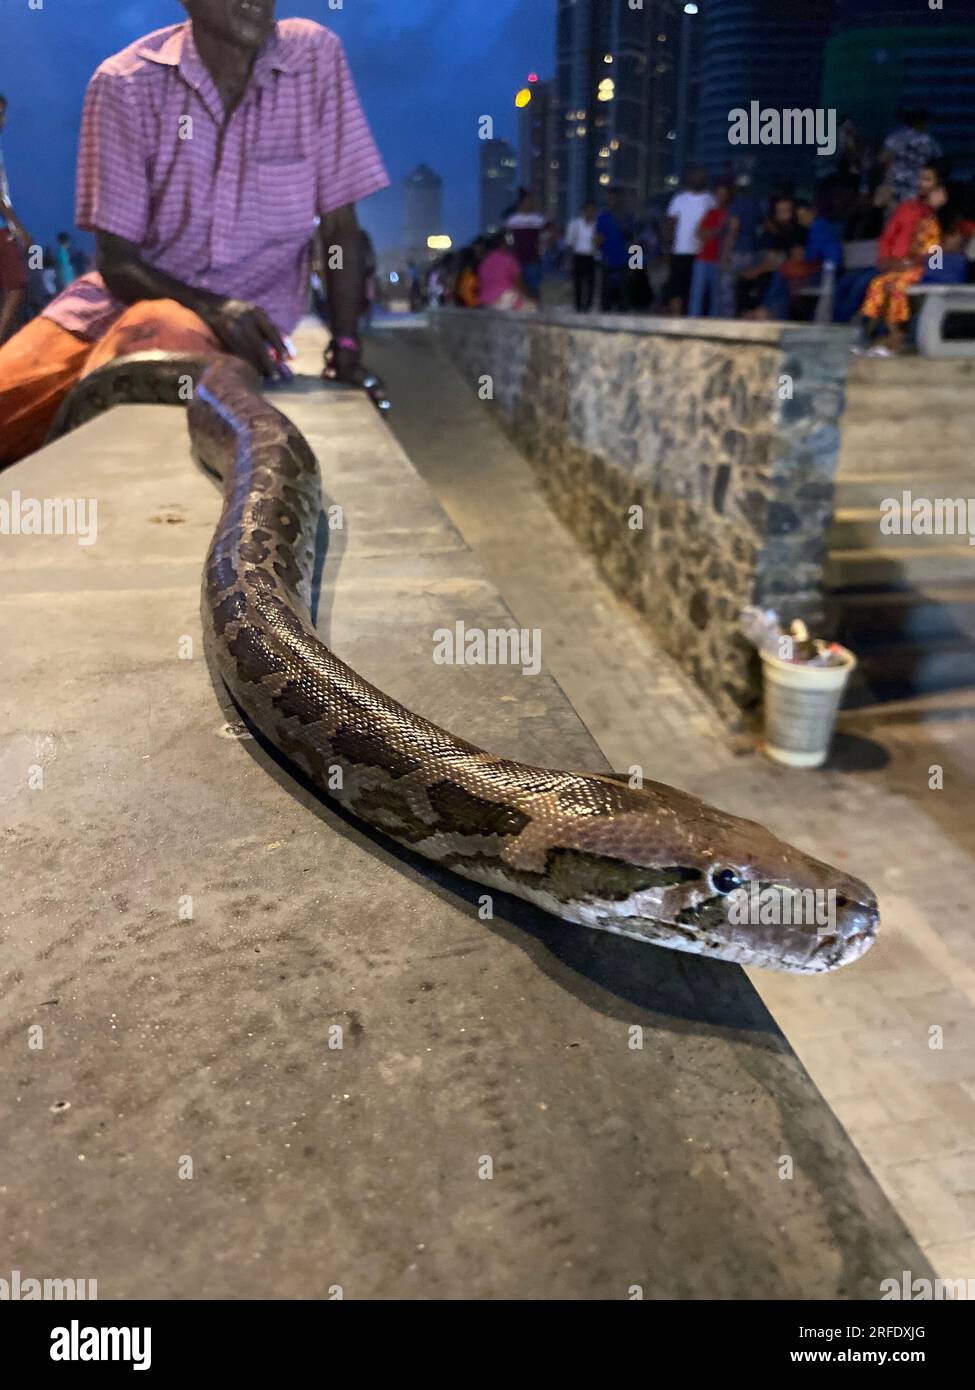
x,y
614,235
804,264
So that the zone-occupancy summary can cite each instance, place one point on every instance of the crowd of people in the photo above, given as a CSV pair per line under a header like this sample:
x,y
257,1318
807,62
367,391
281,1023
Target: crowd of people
x,y
717,249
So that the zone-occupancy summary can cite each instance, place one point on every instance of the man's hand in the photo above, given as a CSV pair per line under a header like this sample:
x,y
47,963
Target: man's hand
x,y
247,332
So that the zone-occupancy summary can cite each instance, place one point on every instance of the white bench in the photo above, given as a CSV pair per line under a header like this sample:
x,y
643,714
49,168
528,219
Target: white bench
x,y
939,302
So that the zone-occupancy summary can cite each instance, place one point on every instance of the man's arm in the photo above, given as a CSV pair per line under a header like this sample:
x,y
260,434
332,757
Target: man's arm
x,y
242,328
345,285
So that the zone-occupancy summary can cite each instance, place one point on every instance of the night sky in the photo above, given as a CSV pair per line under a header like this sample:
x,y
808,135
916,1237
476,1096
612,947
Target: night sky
x,y
425,70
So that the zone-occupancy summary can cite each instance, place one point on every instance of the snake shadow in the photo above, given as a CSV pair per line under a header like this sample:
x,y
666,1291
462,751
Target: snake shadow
x,y
612,974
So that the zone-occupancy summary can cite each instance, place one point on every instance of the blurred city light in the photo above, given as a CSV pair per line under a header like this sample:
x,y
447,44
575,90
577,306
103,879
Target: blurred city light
x,y
523,97
439,243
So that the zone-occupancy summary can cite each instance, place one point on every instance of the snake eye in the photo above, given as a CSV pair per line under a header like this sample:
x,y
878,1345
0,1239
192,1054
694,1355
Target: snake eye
x,y
725,880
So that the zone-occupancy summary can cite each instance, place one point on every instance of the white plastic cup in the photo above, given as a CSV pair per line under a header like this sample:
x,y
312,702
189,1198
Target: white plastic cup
x,y
801,703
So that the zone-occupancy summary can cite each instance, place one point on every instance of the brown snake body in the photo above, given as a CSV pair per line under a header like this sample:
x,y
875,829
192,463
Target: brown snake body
x,y
648,862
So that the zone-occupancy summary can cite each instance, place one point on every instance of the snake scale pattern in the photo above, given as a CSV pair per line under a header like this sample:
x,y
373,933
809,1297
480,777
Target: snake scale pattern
x,y
650,862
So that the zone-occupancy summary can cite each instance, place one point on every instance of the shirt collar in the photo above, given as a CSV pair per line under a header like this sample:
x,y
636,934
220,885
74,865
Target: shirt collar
x,y
179,51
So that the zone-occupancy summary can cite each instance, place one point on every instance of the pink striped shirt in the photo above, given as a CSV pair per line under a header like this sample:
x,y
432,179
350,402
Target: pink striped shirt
x,y
225,206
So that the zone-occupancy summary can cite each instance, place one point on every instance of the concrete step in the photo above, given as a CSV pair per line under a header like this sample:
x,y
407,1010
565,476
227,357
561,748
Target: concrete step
x,y
924,440
859,527
860,454
896,670
939,707
865,402
912,372
870,489
932,612
861,569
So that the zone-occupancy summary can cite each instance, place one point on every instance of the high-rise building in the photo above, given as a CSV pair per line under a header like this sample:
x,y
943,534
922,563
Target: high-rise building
x,y
621,84
498,170
767,52
886,55
422,208
536,143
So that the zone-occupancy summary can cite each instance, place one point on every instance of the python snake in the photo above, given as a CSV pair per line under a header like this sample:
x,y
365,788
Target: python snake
x,y
648,862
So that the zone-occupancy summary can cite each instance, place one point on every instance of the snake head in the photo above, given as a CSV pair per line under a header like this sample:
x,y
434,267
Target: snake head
x,y
660,865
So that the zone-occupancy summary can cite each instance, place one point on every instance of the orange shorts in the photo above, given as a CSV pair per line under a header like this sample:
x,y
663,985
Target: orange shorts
x,y
40,364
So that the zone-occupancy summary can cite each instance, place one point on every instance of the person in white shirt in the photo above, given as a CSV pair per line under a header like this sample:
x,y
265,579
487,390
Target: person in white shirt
x,y
580,238
684,214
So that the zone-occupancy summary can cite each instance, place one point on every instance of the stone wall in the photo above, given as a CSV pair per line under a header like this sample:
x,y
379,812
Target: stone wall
x,y
695,459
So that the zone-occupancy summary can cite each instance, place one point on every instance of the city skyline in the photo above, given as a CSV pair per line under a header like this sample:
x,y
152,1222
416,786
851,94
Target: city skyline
x,y
429,71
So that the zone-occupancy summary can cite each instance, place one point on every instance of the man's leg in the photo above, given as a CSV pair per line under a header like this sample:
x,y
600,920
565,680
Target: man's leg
x,y
589,283
695,306
715,307
153,325
578,279
38,367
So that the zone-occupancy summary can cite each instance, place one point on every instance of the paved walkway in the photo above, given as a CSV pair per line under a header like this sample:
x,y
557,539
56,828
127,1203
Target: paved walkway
x,y
890,1042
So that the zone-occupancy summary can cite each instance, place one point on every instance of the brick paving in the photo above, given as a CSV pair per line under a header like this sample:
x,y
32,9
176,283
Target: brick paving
x,y
905,1093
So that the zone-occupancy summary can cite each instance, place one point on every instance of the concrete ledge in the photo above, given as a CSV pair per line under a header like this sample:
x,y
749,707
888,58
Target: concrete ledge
x,y
713,330
185,1129
694,458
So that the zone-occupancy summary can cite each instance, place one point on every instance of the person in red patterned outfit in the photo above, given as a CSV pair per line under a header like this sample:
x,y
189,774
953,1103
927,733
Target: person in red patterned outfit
x,y
208,150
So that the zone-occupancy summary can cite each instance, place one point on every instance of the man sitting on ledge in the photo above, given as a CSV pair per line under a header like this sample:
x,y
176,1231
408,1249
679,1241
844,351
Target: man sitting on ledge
x,y
207,150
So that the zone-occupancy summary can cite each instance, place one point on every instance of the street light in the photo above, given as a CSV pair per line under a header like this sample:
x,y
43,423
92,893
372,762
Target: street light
x,y
523,97
439,243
